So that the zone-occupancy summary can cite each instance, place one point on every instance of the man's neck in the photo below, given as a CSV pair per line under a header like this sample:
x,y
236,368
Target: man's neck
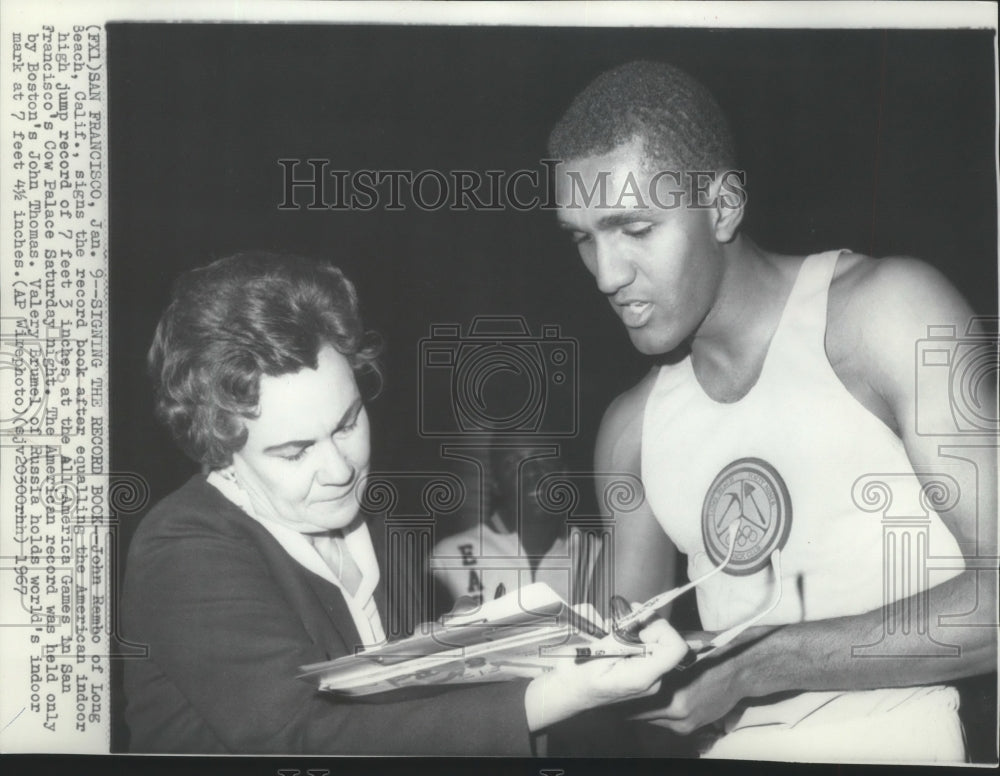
x,y
728,348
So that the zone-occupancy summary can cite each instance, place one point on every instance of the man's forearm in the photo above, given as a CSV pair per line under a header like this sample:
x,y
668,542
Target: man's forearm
x,y
832,655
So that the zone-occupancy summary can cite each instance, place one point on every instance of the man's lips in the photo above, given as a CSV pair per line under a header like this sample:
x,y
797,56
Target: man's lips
x,y
635,312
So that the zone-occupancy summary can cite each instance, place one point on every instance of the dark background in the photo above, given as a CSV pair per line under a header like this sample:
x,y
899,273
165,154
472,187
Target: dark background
x,y
878,141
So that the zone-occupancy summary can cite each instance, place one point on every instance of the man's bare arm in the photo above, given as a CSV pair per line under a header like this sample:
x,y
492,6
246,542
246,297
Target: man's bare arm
x,y
645,560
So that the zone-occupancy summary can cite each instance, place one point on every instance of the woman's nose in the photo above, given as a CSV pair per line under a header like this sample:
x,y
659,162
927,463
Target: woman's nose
x,y
335,468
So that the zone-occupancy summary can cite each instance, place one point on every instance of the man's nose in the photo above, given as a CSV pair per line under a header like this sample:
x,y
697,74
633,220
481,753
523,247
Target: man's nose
x,y
335,468
611,271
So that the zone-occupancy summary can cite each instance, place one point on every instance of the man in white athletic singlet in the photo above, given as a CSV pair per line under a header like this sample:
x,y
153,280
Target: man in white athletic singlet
x,y
782,415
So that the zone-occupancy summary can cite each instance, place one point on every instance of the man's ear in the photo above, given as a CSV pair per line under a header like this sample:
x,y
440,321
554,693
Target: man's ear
x,y
729,198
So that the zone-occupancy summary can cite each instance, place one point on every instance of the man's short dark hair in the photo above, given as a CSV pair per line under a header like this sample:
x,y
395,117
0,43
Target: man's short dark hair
x,y
240,317
681,124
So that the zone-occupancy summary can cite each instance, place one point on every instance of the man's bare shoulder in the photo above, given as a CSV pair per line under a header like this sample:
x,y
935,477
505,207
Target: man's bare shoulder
x,y
619,440
875,300
878,310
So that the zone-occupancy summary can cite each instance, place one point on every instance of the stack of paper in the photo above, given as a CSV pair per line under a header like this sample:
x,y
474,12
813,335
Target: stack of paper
x,y
519,635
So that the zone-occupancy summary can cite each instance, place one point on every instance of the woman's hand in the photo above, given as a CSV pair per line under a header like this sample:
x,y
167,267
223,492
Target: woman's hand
x,y
575,687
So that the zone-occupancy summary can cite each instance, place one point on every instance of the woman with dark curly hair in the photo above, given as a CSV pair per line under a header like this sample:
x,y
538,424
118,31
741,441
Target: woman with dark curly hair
x,y
265,563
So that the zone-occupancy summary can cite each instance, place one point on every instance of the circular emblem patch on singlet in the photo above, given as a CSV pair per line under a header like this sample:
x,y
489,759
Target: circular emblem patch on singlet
x,y
751,492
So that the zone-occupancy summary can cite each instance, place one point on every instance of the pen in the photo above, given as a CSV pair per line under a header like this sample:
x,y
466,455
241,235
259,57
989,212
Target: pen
x,y
598,650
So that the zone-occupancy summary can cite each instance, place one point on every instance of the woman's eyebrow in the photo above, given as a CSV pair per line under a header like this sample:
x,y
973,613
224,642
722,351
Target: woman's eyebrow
x,y
293,444
298,444
350,413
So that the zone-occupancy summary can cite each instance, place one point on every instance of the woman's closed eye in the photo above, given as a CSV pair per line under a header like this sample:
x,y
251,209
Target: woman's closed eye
x,y
350,421
297,455
347,428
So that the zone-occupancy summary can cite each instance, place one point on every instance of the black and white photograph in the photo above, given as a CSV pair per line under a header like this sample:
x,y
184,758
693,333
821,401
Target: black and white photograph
x,y
490,384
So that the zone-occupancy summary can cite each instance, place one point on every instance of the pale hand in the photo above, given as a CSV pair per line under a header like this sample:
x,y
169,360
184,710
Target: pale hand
x,y
575,687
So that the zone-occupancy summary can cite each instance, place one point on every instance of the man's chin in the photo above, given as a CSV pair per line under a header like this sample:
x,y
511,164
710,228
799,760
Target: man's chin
x,y
649,343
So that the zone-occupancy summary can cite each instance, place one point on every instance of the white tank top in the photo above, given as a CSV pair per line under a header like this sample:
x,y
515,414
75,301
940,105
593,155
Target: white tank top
x,y
789,461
